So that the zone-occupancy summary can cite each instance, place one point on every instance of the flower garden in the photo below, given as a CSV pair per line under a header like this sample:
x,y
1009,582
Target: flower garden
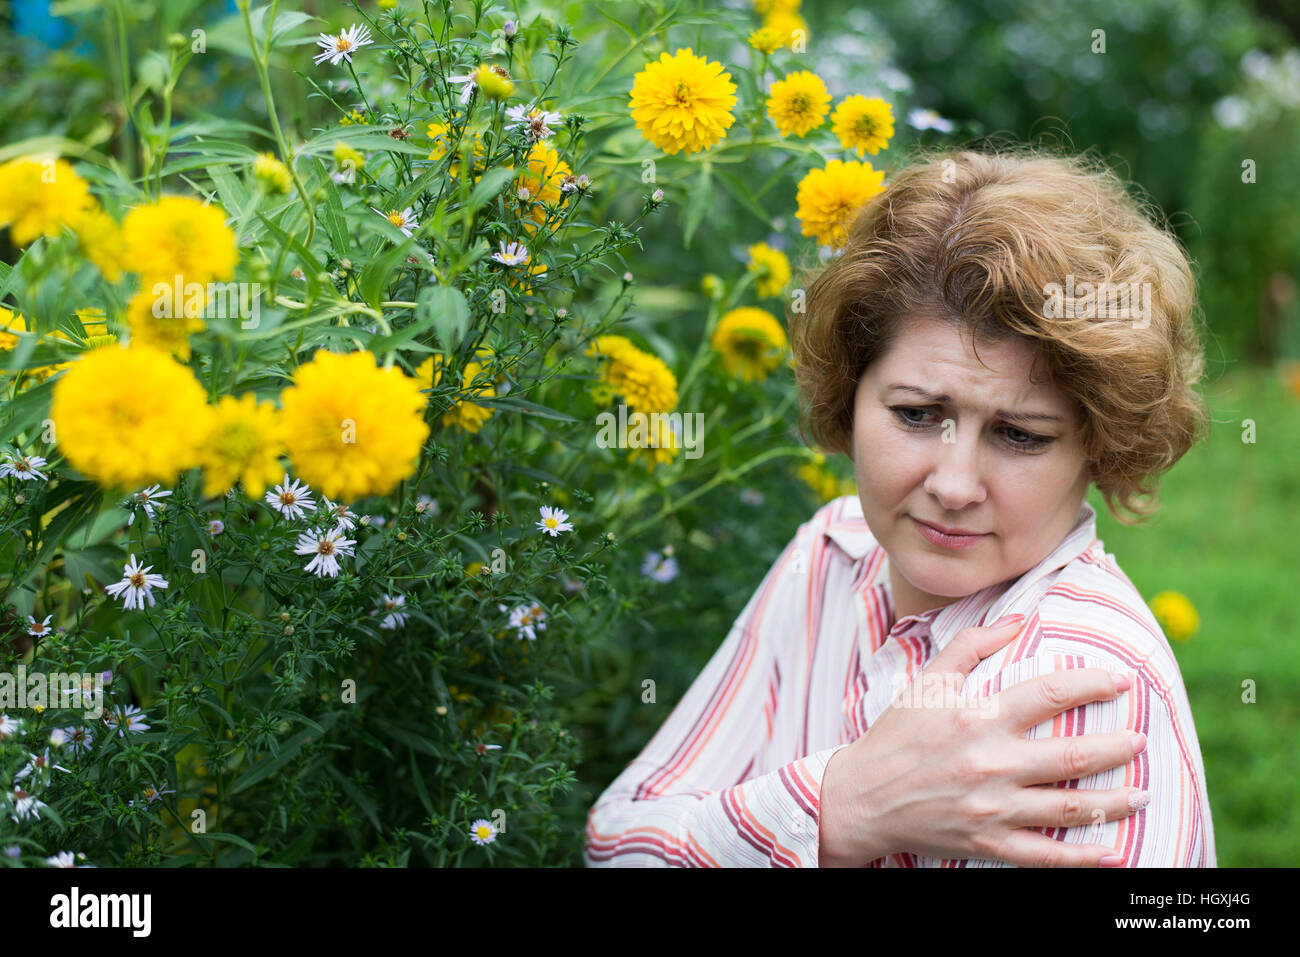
x,y
391,390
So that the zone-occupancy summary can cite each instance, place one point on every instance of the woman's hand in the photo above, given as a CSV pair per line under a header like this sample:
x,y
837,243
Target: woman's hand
x,y
939,776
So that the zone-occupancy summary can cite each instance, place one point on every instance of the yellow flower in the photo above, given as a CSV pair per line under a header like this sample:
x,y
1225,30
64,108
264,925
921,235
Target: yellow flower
x,y
38,197
1176,614
823,481
273,175
356,117
100,240
243,445
344,154
773,269
464,415
668,446
10,323
477,160
545,173
711,285
643,380
683,102
767,40
863,124
129,416
786,23
765,8
493,81
438,133
170,334
178,235
95,327
751,341
829,198
798,103
352,428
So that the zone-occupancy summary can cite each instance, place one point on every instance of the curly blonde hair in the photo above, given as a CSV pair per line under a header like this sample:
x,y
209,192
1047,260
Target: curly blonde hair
x,y
977,238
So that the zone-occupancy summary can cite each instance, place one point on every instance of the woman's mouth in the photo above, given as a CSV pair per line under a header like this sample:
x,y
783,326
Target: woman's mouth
x,y
936,537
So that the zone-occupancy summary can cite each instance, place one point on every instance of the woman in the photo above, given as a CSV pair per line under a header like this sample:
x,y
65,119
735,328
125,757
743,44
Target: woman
x,y
873,705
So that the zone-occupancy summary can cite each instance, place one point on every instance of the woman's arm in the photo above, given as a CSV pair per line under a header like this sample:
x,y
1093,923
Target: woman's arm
x,y
689,800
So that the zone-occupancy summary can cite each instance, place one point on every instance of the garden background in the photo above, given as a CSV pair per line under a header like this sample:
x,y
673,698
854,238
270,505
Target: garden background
x,y
497,667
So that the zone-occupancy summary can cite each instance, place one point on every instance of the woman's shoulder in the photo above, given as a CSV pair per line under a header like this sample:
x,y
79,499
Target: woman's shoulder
x,y
1092,615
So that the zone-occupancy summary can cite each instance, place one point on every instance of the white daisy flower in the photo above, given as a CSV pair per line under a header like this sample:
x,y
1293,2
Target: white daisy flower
x,y
485,748
151,794
404,219
138,584
22,466
527,620
79,739
62,859
38,764
575,184
339,513
468,84
291,500
342,47
326,547
661,569
58,738
482,831
25,806
395,617
123,720
38,630
928,120
216,527
9,726
512,254
536,121
145,498
554,521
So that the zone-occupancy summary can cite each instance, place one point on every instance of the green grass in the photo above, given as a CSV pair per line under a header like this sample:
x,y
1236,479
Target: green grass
x,y
1225,536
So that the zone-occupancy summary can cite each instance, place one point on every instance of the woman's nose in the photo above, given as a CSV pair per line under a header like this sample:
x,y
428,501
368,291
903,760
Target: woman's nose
x,y
955,477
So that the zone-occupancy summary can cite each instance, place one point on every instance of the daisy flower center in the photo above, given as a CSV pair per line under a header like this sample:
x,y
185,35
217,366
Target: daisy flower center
x,y
800,103
550,522
325,548
397,219
287,498
683,93
343,43
137,580
865,126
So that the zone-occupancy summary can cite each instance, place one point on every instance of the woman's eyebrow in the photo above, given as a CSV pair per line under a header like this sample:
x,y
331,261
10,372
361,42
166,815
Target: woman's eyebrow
x,y
1000,413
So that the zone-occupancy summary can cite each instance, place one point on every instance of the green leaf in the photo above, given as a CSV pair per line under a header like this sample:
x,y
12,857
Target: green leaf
x,y
510,402
697,201
449,312
740,192
487,187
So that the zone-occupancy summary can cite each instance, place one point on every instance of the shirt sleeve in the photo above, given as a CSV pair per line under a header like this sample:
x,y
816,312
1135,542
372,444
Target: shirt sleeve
x,y
1174,829
692,797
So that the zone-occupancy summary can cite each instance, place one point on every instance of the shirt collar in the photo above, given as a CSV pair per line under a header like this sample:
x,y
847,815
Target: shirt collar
x,y
850,532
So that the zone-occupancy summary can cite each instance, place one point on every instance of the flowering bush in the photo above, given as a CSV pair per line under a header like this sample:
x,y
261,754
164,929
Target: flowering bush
x,y
324,460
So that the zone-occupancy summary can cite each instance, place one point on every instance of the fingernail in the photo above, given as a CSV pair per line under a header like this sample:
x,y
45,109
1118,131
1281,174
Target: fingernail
x,y
1138,800
1112,860
1139,741
1121,682
1007,620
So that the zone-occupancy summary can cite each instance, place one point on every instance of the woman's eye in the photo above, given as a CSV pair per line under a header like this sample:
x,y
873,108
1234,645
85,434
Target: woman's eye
x,y
1016,438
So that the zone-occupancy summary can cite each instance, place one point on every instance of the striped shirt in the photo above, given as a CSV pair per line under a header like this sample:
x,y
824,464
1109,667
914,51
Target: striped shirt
x,y
733,776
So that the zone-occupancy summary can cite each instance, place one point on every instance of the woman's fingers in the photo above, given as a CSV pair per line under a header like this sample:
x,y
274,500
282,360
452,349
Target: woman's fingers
x,y
968,648
1028,849
1047,806
1035,700
1048,760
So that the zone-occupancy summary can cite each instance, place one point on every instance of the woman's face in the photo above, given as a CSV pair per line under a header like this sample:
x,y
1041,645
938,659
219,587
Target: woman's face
x,y
962,464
